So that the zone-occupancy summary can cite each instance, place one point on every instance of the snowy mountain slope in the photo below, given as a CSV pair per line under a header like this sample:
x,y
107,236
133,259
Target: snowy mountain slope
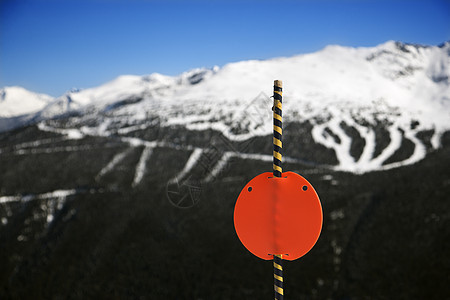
x,y
125,89
16,101
415,78
348,95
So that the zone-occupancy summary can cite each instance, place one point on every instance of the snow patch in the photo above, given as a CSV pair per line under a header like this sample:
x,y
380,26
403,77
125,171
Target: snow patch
x,y
113,163
141,166
48,195
193,159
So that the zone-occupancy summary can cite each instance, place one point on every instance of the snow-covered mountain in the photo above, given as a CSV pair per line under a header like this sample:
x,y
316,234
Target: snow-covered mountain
x,y
142,173
346,94
16,101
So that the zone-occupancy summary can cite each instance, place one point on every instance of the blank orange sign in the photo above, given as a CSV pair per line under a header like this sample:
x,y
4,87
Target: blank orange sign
x,y
278,215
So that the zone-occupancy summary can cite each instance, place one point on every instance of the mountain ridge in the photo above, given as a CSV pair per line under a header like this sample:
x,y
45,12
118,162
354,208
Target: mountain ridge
x,y
158,80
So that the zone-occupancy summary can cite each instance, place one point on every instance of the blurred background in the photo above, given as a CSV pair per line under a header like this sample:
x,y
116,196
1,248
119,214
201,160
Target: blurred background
x,y
129,128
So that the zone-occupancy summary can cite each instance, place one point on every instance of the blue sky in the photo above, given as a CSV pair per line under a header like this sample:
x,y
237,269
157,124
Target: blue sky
x,y
51,46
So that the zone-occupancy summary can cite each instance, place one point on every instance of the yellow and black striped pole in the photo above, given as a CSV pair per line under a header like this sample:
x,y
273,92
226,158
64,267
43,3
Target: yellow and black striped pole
x,y
277,127
278,276
277,170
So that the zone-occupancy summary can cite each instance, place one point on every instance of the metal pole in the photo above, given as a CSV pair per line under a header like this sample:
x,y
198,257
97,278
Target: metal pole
x,y
278,276
277,127
277,171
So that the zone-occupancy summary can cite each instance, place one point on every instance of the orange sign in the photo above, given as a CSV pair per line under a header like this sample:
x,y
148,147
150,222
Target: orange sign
x,y
278,215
